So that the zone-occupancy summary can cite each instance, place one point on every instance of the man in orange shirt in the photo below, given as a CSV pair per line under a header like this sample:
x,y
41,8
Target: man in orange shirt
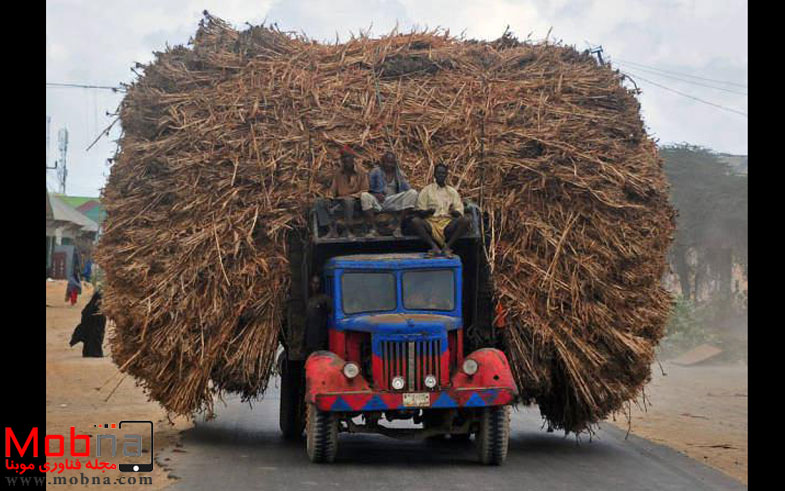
x,y
349,185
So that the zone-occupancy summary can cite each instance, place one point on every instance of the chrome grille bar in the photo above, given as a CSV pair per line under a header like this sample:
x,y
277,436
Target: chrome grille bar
x,y
410,369
412,360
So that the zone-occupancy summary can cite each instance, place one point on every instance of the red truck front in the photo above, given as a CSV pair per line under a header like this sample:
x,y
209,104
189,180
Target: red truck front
x,y
396,353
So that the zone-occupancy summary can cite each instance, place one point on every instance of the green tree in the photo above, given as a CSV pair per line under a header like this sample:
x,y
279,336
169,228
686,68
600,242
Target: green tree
x,y
712,223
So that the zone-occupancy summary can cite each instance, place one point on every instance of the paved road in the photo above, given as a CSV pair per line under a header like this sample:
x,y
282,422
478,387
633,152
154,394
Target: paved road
x,y
243,449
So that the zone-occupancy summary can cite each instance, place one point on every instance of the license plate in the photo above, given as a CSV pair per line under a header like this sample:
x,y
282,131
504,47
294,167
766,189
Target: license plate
x,y
417,399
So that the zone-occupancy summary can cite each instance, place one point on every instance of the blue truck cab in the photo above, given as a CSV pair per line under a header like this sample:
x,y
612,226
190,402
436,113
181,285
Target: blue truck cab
x,y
416,303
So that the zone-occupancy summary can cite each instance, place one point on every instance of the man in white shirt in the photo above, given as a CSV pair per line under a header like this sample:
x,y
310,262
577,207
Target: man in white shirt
x,y
442,221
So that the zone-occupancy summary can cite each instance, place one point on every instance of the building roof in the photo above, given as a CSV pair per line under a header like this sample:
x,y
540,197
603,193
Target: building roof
x,y
93,210
62,212
86,205
75,201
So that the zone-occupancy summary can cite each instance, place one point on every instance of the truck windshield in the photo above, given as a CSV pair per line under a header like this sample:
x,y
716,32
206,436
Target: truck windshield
x,y
429,290
368,292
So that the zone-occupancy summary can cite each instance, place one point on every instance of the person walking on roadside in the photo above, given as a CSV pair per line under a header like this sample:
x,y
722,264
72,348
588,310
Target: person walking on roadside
x,y
90,331
74,288
88,270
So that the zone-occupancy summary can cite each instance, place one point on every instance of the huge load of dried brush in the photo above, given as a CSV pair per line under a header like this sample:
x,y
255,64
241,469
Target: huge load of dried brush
x,y
227,141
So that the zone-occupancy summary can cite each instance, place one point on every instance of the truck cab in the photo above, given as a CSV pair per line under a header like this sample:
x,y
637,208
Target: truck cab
x,y
396,352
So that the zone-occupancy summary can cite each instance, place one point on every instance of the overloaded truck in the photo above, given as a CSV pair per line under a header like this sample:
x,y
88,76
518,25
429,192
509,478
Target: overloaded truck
x,y
411,337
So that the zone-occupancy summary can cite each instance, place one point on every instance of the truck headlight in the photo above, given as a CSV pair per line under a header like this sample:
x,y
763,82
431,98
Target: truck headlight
x,y
430,381
398,383
351,370
470,366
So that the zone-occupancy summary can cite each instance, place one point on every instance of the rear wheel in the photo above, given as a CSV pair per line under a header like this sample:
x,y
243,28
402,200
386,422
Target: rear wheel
x,y
322,435
291,416
493,437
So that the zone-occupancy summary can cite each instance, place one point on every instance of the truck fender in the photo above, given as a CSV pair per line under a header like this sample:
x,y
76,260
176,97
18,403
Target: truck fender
x,y
493,371
324,373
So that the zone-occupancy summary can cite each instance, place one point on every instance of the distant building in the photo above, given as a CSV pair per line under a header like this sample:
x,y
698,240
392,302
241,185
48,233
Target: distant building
x,y
70,236
91,207
736,162
49,213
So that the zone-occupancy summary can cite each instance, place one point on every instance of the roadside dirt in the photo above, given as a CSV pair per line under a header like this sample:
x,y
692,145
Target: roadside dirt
x,y
83,392
700,411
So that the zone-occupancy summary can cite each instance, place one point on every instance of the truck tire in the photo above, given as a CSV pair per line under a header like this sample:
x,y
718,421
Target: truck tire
x,y
322,435
291,416
493,437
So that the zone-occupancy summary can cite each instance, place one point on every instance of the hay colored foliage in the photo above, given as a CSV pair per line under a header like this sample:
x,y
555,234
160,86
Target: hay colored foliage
x,y
227,141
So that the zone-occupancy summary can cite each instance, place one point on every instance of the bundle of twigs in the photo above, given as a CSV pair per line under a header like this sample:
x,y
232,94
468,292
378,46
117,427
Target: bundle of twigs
x,y
226,142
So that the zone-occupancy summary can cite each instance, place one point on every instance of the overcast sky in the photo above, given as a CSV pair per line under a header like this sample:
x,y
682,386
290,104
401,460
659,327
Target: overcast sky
x,y
686,46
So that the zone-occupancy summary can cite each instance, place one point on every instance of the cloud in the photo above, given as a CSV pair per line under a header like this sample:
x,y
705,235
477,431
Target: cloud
x,y
322,21
56,52
478,19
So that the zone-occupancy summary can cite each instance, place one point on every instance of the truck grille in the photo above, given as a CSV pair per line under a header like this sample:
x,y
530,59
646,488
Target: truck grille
x,y
412,360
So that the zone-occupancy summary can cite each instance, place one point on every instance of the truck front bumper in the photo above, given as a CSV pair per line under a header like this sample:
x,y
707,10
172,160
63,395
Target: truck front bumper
x,y
387,401
330,390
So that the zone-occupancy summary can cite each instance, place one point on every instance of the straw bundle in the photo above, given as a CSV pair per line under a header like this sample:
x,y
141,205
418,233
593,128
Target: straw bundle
x,y
225,144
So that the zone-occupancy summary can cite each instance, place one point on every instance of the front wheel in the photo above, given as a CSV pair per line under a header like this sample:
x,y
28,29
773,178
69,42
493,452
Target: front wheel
x,y
321,429
493,437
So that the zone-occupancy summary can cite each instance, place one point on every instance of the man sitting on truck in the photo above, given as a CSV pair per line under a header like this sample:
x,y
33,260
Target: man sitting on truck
x,y
441,221
349,185
390,190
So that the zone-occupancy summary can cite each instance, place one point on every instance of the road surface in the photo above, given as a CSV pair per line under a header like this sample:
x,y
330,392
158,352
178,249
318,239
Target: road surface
x,y
243,449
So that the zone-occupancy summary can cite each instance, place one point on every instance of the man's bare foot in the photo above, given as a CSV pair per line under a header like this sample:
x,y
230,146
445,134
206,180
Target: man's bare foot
x,y
397,233
372,233
433,252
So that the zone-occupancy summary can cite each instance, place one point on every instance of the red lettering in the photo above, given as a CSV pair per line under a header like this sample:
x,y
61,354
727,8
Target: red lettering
x,y
86,439
49,438
9,435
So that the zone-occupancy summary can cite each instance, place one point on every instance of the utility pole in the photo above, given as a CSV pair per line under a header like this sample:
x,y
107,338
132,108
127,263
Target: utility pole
x,y
48,120
48,132
597,51
62,172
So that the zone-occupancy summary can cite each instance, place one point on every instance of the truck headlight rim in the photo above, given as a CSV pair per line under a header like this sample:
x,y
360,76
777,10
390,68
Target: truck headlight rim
x,y
398,383
351,370
470,366
430,381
